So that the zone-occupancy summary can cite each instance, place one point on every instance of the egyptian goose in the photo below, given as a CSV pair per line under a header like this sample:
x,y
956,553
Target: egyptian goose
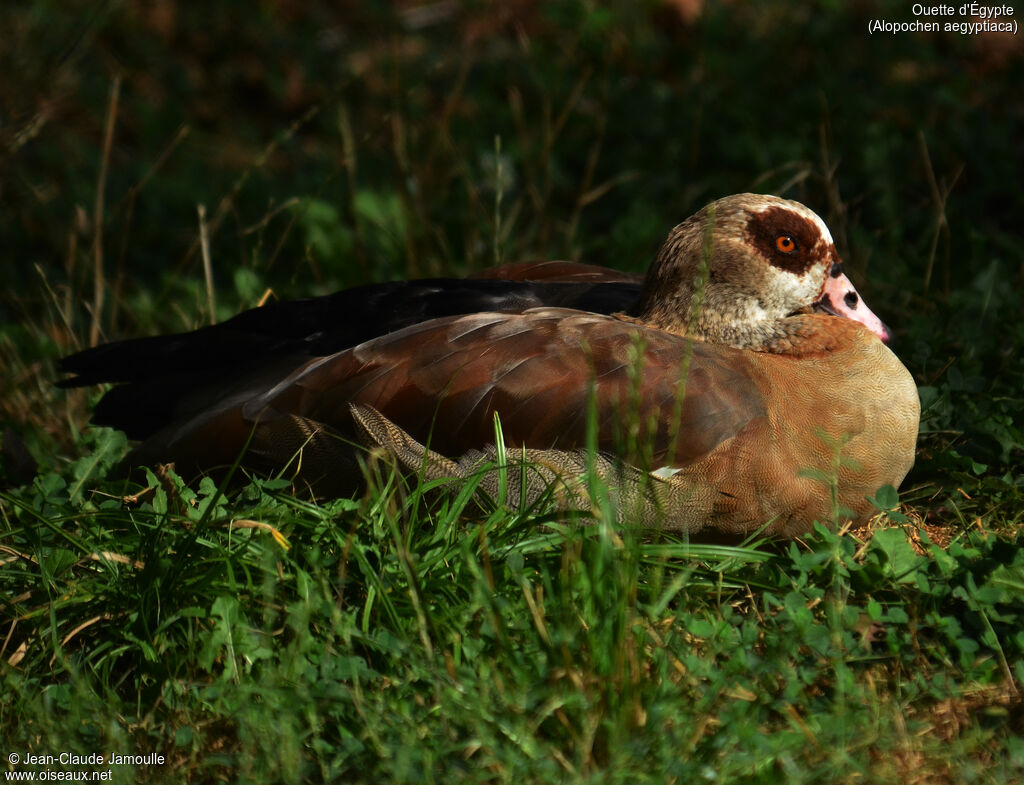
x,y
725,393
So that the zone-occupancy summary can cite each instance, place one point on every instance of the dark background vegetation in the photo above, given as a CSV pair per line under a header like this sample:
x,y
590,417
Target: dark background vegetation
x,y
331,144
337,143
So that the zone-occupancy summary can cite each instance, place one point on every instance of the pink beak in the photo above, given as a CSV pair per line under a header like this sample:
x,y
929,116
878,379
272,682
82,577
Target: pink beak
x,y
840,298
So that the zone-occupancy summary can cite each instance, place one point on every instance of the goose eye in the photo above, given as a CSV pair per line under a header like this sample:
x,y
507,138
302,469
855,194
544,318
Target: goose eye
x,y
785,243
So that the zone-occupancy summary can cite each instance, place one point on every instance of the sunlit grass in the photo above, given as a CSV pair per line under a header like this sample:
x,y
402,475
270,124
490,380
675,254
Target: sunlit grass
x,y
389,635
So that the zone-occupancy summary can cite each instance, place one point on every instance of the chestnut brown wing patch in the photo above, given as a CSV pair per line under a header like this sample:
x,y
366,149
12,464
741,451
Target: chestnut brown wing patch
x,y
541,371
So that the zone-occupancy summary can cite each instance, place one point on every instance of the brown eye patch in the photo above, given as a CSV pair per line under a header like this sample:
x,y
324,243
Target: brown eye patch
x,y
785,239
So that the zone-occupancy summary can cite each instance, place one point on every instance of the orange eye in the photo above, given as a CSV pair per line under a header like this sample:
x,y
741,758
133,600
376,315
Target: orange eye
x,y
785,243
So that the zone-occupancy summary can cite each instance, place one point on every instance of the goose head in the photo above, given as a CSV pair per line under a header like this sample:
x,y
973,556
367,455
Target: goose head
x,y
738,269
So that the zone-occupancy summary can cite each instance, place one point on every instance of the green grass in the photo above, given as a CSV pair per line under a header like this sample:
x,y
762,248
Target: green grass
x,y
252,636
256,637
